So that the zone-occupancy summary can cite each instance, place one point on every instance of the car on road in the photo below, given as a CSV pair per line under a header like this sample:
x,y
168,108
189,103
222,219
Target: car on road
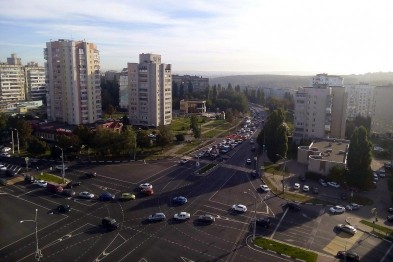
x,y
41,183
264,188
254,173
3,167
352,206
85,194
296,186
72,184
156,217
126,196
29,179
348,256
60,167
208,219
346,228
148,191
182,216
183,161
179,200
293,206
5,154
322,182
109,223
333,184
390,218
239,208
106,196
306,188
337,209
145,186
90,174
68,192
63,209
248,161
263,222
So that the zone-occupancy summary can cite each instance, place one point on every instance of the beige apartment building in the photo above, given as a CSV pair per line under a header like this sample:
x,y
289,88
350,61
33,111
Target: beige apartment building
x,y
35,81
73,76
360,100
12,80
150,91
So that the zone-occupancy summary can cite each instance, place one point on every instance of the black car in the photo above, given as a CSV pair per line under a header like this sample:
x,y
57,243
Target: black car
x,y
264,222
390,218
63,209
72,184
315,190
90,174
68,192
293,206
29,179
208,219
349,256
109,223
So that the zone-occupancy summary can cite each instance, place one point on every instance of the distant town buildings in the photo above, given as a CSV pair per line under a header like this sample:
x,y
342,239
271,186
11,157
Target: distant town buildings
x,y
150,91
382,115
198,83
360,100
73,76
278,93
192,106
320,110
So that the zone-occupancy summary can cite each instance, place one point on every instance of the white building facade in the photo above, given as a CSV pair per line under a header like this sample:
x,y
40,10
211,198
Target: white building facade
x,y
73,76
12,80
360,100
150,91
35,82
123,89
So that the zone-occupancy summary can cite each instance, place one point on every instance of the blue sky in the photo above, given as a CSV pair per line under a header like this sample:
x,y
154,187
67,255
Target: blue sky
x,y
249,36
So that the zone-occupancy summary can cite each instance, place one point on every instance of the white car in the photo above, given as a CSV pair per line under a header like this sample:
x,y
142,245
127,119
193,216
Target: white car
x,y
145,186
306,188
239,208
337,210
60,167
296,186
182,216
3,167
333,184
41,183
248,161
184,161
5,155
352,206
346,228
86,194
264,188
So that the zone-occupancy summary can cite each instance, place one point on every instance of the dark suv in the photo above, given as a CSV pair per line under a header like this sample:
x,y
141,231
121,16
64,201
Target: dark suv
x,y
90,175
263,222
109,223
293,206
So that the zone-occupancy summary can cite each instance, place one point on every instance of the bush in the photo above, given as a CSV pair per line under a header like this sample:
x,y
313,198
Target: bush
x,y
180,137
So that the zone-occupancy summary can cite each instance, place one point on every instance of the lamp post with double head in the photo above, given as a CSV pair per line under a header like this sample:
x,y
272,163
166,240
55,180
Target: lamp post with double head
x,y
283,170
255,212
62,163
38,254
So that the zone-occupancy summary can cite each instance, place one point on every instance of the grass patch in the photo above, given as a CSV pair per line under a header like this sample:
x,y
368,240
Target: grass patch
x,y
212,133
206,168
276,169
215,123
50,178
281,248
188,147
180,124
382,231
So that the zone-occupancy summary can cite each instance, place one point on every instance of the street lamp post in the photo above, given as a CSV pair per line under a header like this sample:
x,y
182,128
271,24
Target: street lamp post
x,y
38,254
13,144
135,148
255,212
62,162
283,170
17,138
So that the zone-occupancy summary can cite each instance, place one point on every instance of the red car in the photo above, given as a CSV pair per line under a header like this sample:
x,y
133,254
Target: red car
x,y
148,191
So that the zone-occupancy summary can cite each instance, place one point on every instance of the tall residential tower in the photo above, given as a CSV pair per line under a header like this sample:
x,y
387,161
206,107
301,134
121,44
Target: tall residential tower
x,y
150,91
73,76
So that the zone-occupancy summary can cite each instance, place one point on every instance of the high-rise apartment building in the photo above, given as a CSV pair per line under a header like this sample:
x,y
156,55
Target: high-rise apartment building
x,y
320,110
73,77
123,88
12,80
35,81
198,83
150,91
360,100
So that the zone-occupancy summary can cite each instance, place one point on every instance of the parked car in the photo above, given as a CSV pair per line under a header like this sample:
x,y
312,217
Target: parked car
x,y
90,174
145,186
85,194
3,168
387,165
68,192
29,179
106,196
337,210
239,208
182,216
126,196
109,223
208,219
352,206
60,167
303,178
264,188
148,191
293,206
296,186
333,184
346,228
183,161
63,209
306,188
41,183
390,218
248,161
263,222
72,184
315,190
5,154
322,182
179,200
156,217
348,256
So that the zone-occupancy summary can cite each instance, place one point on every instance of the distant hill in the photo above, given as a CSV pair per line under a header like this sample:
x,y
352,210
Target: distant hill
x,y
293,81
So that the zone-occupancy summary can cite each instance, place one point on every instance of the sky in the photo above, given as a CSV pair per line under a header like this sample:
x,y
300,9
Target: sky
x,y
242,36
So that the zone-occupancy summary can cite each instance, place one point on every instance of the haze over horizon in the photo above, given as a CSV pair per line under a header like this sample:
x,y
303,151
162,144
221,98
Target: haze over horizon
x,y
233,37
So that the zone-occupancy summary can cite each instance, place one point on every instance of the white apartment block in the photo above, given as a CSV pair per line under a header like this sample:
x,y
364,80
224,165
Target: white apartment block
x,y
35,81
320,110
123,89
360,100
12,80
150,91
198,83
73,77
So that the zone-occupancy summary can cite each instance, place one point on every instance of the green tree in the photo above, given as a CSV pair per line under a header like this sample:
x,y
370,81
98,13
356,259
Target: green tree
x,y
165,136
358,121
84,134
143,139
190,88
110,110
359,159
36,146
337,174
276,136
24,129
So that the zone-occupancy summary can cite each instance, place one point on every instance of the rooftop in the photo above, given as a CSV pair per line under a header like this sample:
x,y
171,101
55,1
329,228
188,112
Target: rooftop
x,y
330,150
